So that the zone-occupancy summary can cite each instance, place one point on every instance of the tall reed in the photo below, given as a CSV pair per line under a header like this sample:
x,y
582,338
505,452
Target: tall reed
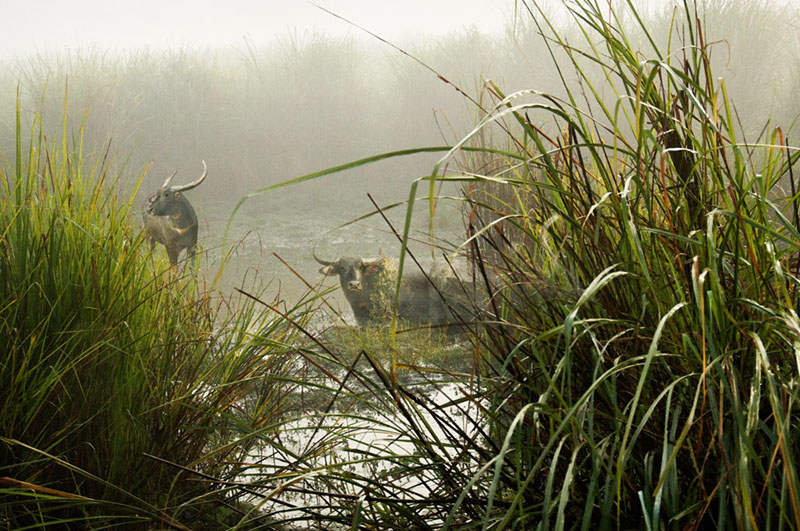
x,y
117,371
641,339
638,348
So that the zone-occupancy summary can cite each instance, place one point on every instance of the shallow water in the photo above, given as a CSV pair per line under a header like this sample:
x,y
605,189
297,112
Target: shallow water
x,y
362,436
256,235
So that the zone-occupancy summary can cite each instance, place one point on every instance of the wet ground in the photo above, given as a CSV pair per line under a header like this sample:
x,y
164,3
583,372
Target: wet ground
x,y
370,444
273,252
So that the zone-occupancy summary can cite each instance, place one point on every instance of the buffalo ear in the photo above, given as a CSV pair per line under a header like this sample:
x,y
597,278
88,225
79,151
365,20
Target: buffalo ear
x,y
328,270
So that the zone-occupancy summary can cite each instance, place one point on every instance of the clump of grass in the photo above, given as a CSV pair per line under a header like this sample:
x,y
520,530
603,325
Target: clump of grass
x,y
660,392
120,376
419,346
638,360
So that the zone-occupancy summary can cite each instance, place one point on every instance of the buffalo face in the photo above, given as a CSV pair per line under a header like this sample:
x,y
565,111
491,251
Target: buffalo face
x,y
166,203
352,271
366,283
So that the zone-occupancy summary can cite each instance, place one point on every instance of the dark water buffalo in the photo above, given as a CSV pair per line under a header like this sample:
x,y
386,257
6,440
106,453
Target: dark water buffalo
x,y
369,285
170,219
455,296
443,296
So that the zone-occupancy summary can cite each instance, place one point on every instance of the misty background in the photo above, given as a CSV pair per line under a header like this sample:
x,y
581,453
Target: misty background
x,y
278,90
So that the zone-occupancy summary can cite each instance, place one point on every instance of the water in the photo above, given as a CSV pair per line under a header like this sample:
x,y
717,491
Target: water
x,y
272,250
272,257
349,445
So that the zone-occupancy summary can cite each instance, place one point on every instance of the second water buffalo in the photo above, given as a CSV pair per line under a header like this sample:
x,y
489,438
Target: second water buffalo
x,y
369,286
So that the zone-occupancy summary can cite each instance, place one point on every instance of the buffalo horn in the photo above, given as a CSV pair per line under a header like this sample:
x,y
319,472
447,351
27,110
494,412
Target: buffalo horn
x,y
169,179
191,185
318,259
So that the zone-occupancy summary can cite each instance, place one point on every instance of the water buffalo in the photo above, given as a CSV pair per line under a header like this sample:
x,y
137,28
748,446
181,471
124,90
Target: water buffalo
x,y
454,294
369,285
170,219
444,295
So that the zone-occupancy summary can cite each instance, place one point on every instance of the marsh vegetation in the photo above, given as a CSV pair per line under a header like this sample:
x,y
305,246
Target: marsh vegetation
x,y
629,205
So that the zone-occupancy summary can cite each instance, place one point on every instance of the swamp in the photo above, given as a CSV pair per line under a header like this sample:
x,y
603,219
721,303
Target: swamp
x,y
598,205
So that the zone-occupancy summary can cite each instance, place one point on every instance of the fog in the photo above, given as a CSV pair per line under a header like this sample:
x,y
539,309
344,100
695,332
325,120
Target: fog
x,y
43,25
265,95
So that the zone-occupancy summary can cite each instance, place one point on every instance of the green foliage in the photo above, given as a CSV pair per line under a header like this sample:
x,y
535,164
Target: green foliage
x,y
662,396
637,360
416,346
116,370
635,364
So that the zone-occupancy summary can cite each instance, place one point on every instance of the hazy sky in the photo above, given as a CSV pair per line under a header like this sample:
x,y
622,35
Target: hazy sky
x,y
56,25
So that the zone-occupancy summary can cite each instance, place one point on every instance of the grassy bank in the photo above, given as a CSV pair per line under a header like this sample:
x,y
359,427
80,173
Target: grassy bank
x,y
117,370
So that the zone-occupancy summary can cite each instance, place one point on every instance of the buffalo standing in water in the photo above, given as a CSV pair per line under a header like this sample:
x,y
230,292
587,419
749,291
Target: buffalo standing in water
x,y
369,284
170,219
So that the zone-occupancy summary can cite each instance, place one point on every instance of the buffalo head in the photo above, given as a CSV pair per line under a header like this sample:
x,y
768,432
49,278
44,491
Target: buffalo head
x,y
366,283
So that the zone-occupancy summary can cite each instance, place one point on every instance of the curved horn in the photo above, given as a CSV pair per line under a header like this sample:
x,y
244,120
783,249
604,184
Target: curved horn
x,y
191,185
318,259
166,183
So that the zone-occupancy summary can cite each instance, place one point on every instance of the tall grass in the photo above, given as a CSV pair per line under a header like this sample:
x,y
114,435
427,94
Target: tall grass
x,y
638,354
635,355
117,371
662,394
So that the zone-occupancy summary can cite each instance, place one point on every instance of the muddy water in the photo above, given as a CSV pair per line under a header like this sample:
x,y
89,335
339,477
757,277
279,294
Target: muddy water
x,y
361,438
262,239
